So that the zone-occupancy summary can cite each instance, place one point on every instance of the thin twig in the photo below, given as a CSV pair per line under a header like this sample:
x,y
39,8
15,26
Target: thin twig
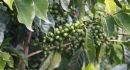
x,y
34,53
115,41
53,47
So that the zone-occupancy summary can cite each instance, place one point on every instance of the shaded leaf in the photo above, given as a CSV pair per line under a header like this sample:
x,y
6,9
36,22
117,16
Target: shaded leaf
x,y
9,3
92,3
1,37
118,3
3,21
119,19
55,61
101,1
41,8
77,60
65,4
47,62
45,26
5,41
110,6
19,54
115,54
89,47
102,52
108,25
2,64
120,67
26,12
126,53
51,19
63,64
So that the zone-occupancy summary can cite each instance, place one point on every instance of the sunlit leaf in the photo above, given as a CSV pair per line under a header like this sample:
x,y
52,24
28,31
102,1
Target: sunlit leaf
x,y
89,67
9,3
41,8
110,6
11,62
47,62
26,12
5,56
65,4
2,64
51,62
55,61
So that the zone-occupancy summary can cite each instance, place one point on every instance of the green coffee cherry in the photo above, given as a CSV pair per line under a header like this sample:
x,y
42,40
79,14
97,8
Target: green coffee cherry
x,y
65,34
57,37
35,44
37,40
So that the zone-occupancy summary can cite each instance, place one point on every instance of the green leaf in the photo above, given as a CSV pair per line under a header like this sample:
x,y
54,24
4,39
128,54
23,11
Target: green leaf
x,y
110,6
11,62
63,64
102,52
118,3
5,41
125,8
47,62
77,60
81,10
19,54
128,2
5,56
45,26
9,3
122,22
3,21
2,64
65,4
89,47
127,44
120,67
89,67
51,62
101,1
126,54
91,3
108,25
115,53
26,12
41,8
55,61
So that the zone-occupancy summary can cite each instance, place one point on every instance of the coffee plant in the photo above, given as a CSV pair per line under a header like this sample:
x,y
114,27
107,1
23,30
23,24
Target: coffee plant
x,y
64,34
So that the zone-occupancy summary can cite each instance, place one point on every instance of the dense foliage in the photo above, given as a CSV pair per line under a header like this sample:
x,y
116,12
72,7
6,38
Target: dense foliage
x,y
65,34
